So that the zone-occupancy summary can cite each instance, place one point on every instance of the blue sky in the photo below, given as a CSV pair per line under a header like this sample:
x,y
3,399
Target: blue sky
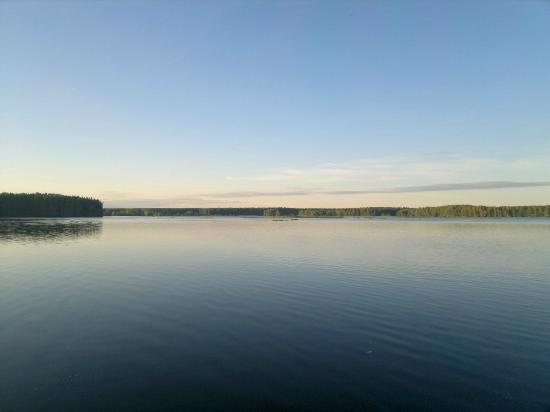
x,y
283,103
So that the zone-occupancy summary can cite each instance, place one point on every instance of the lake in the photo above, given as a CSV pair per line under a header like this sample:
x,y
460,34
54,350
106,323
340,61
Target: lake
x,y
225,314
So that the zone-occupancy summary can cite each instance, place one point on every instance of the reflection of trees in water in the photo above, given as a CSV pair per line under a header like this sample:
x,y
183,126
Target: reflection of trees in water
x,y
25,230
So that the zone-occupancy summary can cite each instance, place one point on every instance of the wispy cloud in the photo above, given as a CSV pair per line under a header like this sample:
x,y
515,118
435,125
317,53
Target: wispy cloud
x,y
257,194
403,170
442,187
118,199
372,176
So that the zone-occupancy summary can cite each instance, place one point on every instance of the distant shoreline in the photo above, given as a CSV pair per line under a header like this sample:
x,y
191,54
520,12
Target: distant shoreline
x,y
14,205
284,212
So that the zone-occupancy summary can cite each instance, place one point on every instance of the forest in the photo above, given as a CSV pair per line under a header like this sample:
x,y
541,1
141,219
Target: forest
x,y
230,211
476,211
48,205
438,211
252,211
55,205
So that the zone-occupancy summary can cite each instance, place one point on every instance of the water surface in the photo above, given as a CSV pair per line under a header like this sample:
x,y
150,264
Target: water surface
x,y
143,314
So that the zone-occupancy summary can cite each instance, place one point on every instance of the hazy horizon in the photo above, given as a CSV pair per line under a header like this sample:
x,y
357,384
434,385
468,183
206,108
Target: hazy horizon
x,y
296,104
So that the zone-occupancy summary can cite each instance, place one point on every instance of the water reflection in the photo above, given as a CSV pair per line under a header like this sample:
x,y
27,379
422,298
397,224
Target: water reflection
x,y
224,314
49,230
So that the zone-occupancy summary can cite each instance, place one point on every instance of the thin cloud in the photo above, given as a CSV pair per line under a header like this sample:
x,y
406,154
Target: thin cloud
x,y
368,176
443,187
257,194
184,201
401,170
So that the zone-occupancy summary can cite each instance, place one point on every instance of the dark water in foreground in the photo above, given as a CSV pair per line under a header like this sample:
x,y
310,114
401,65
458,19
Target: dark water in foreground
x,y
136,314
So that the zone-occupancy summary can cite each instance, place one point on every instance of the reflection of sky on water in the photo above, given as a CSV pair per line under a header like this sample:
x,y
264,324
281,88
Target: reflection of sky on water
x,y
38,230
314,314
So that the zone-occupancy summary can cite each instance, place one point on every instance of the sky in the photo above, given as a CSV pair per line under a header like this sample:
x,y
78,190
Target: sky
x,y
277,103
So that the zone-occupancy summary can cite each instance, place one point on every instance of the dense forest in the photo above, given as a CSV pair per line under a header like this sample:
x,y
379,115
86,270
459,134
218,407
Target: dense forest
x,y
252,211
48,205
246,211
476,211
439,211
54,205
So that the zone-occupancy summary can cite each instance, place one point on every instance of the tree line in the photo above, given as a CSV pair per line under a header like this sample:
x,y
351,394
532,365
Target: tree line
x,y
218,211
55,205
476,211
48,205
437,211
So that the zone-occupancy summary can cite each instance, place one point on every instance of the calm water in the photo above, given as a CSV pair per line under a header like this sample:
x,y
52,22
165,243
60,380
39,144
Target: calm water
x,y
135,314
